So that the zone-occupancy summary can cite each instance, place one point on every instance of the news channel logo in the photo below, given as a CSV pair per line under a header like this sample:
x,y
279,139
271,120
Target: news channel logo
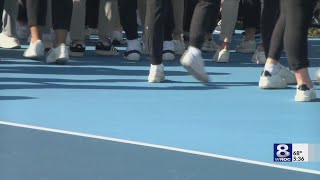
x,y
285,152
282,152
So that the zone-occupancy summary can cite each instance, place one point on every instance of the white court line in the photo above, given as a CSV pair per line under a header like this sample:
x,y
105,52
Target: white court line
x,y
163,147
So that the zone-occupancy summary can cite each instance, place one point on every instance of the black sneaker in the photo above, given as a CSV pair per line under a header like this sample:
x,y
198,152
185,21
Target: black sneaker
x,y
102,49
76,50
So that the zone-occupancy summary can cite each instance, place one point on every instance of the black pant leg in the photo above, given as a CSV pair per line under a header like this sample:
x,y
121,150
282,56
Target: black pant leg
x,y
155,29
22,11
92,13
189,6
205,12
276,43
269,18
251,13
168,20
298,19
128,18
1,6
36,11
61,14
1,11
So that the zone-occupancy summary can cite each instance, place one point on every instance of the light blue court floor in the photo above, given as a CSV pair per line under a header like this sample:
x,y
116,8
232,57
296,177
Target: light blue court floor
x,y
97,118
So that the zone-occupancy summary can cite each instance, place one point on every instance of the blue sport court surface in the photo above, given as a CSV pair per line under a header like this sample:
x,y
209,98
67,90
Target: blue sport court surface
x,y
98,118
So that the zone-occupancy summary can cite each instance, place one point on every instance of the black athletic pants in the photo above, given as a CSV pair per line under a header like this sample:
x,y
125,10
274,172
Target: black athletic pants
x,y
128,18
288,30
22,11
1,6
92,13
251,13
189,7
159,27
205,12
1,10
61,13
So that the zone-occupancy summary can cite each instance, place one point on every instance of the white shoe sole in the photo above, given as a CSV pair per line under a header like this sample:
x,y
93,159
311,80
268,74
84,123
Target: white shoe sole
x,y
10,47
267,83
220,60
195,74
34,57
37,58
305,98
153,80
223,61
60,61
133,57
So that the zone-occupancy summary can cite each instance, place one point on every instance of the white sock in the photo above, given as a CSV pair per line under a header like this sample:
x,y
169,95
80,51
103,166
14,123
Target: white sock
x,y
273,68
158,66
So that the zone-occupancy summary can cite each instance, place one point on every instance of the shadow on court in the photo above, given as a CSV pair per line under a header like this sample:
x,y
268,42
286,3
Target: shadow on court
x,y
32,154
15,97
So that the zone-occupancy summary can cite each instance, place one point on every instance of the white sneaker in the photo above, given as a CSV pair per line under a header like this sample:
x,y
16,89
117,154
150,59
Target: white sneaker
x,y
133,50
288,75
318,75
222,56
156,74
246,46
269,81
179,45
168,51
209,46
193,63
58,55
8,42
259,57
305,94
35,50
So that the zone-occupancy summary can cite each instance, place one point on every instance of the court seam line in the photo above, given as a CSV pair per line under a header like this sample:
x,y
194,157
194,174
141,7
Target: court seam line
x,y
199,153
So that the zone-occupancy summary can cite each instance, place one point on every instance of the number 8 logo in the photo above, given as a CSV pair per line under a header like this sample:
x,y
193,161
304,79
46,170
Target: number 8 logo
x,y
283,151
